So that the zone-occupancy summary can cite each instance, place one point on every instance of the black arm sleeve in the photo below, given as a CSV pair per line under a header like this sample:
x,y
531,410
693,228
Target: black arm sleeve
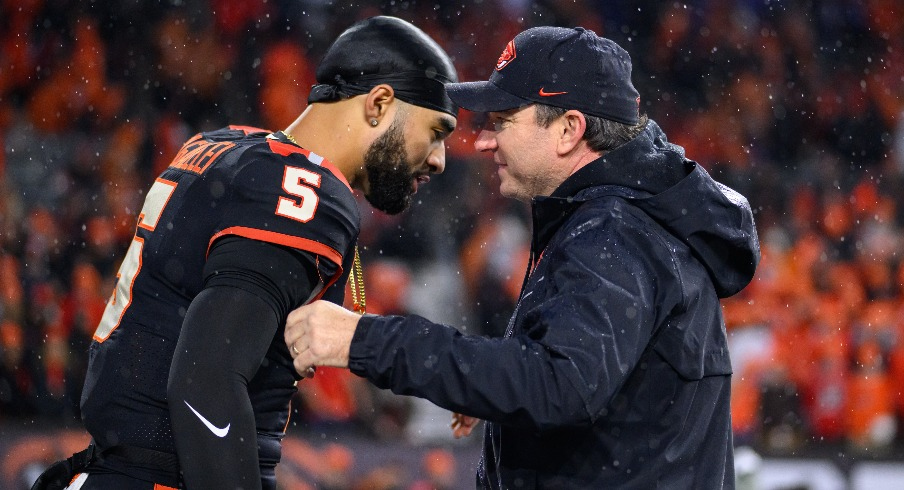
x,y
250,287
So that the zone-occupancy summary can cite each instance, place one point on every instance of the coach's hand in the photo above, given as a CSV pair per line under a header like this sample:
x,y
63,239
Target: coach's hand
x,y
462,425
319,334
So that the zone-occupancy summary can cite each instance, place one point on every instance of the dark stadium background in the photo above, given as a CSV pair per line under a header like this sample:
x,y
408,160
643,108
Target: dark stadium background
x,y
796,104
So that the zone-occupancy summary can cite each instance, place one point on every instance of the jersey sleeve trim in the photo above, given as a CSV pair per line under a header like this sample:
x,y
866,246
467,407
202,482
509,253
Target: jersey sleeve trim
x,y
282,239
305,244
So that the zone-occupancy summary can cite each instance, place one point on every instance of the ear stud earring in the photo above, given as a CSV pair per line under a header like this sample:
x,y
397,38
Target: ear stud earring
x,y
374,122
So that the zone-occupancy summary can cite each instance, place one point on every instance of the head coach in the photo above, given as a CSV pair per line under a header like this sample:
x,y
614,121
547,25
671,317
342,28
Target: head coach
x,y
614,371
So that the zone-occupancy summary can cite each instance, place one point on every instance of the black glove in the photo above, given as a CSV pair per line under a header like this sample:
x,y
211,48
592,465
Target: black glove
x,y
59,474
56,477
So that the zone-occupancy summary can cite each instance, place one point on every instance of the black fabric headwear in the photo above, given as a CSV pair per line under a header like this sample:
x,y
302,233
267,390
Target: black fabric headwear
x,y
386,50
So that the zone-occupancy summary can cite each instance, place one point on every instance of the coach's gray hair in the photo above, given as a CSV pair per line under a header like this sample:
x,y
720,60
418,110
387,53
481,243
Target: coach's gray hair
x,y
601,134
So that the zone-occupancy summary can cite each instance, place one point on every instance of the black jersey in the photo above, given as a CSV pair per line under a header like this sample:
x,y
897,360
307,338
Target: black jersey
x,y
236,181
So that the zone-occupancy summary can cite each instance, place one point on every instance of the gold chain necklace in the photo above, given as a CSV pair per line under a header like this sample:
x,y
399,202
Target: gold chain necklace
x,y
290,138
356,282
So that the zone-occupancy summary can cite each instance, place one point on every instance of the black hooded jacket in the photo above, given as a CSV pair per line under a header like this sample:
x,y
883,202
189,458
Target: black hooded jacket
x,y
614,372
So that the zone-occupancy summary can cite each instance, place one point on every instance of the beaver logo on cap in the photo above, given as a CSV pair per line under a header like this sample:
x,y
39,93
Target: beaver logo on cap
x,y
508,54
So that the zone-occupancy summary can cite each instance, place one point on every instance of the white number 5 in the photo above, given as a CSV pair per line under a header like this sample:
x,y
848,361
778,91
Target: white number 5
x,y
154,203
300,183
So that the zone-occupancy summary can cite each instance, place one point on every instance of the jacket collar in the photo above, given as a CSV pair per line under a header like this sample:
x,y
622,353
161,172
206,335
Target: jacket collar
x,y
549,212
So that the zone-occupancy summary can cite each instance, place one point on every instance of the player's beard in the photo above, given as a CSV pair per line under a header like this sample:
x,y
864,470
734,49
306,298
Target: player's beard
x,y
388,171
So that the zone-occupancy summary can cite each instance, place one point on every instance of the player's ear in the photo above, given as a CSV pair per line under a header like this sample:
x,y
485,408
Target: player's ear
x,y
377,103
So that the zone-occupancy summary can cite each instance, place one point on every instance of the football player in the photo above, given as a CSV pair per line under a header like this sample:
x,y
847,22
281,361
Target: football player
x,y
189,381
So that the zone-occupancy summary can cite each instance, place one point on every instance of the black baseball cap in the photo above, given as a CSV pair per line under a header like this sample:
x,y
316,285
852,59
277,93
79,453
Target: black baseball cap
x,y
385,49
571,68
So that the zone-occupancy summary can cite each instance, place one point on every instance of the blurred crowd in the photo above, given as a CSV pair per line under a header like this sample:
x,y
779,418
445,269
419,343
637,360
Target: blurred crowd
x,y
796,104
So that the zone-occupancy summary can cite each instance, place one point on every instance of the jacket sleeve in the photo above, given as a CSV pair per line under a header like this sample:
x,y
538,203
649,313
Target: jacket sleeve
x,y
576,348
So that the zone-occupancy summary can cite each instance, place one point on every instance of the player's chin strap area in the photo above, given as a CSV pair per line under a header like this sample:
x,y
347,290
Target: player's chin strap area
x,y
60,474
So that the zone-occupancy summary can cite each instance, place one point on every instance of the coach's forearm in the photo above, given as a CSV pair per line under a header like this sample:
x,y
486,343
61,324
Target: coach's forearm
x,y
513,381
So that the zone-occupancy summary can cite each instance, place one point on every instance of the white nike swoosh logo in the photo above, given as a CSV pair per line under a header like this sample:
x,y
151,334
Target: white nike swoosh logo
x,y
216,430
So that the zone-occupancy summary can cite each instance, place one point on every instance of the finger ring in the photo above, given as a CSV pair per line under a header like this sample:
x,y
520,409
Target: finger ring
x,y
295,350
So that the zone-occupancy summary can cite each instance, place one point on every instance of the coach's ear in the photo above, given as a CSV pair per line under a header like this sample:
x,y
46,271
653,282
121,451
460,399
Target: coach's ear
x,y
377,104
571,127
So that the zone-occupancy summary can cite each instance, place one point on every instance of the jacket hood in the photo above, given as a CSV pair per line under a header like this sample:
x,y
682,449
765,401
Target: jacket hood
x,y
715,221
